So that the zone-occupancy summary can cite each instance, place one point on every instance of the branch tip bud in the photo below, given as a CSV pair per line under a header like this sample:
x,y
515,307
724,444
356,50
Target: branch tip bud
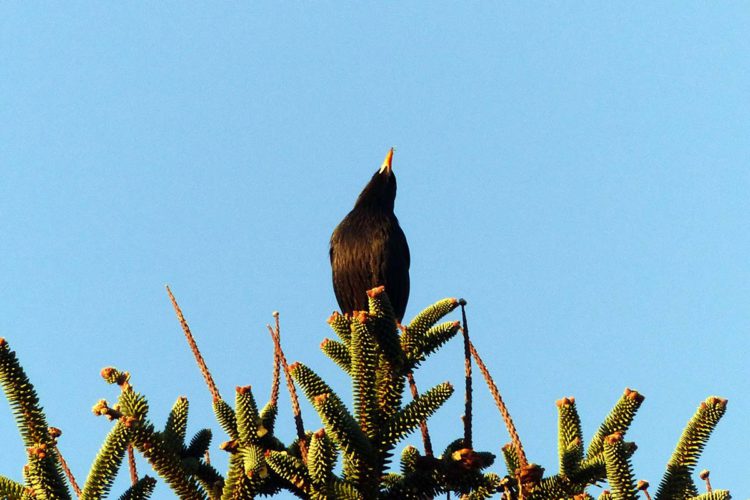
x,y
361,316
634,395
717,401
532,473
229,446
613,438
565,402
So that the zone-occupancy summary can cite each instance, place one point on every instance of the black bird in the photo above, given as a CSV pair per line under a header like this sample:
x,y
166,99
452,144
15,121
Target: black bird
x,y
369,249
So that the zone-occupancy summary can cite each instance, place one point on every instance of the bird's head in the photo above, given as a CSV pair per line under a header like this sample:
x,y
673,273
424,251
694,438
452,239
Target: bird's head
x,y
380,192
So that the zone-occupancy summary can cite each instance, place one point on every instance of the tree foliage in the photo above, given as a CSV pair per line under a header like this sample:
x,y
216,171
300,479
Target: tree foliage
x,y
380,357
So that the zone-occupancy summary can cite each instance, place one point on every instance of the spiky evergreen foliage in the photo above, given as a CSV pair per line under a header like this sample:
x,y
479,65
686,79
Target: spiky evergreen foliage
x,y
141,490
107,463
339,353
44,475
677,482
570,437
378,358
12,489
378,355
714,495
175,429
619,471
608,455
165,451
618,420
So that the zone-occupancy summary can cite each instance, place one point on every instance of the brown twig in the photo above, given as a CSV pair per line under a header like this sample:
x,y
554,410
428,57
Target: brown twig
x,y
467,376
207,457
68,473
427,442
643,486
131,465
704,474
279,353
274,400
522,462
194,348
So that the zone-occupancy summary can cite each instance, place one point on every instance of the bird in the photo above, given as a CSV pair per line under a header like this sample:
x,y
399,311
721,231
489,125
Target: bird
x,y
369,249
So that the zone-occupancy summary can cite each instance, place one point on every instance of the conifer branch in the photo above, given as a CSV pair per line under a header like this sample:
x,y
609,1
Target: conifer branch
x,y
643,486
68,472
44,473
364,366
417,411
199,444
570,437
341,325
247,415
226,417
677,481
13,490
321,459
55,433
289,468
275,381
131,466
175,430
426,441
296,410
140,490
618,420
431,315
713,495
194,348
705,475
339,354
166,463
522,461
467,377
107,462
511,458
619,473
339,422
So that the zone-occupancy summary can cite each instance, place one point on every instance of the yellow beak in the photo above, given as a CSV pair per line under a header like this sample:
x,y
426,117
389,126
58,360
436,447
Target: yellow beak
x,y
386,166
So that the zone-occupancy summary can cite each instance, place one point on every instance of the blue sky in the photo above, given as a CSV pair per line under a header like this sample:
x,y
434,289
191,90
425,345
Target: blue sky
x,y
578,172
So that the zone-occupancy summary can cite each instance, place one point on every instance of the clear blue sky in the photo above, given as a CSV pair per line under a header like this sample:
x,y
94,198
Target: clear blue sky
x,y
578,172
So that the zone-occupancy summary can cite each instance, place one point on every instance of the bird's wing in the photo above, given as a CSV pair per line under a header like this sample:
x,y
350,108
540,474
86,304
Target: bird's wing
x,y
395,270
351,279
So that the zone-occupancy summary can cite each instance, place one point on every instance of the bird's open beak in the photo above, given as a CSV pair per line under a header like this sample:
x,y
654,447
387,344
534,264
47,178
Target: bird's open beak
x,y
386,166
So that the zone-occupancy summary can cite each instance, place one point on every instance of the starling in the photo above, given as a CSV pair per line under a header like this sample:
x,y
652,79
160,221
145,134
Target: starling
x,y
369,249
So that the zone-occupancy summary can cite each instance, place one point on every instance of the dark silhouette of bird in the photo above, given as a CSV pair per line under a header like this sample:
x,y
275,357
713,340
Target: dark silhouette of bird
x,y
369,249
